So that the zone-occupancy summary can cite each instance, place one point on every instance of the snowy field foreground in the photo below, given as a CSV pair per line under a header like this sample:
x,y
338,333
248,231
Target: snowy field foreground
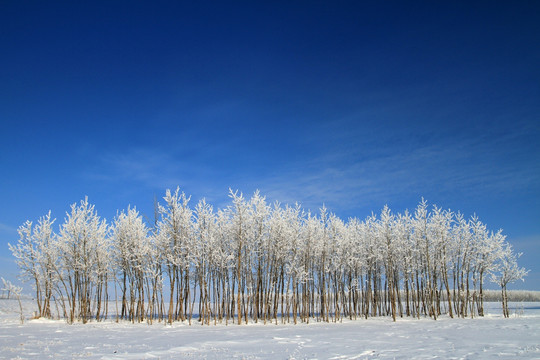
x,y
375,338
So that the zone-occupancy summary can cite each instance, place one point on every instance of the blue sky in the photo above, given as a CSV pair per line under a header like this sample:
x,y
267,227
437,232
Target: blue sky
x,y
351,104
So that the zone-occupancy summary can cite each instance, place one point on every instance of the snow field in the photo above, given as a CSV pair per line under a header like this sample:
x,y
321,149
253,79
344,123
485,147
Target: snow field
x,y
374,338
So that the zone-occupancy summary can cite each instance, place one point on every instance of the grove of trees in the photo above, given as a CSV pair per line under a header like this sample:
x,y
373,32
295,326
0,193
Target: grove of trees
x,y
260,262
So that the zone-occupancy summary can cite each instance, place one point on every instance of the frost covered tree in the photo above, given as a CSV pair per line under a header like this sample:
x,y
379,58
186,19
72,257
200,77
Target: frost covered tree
x,y
204,253
132,256
263,262
36,257
238,213
84,265
15,291
507,272
174,234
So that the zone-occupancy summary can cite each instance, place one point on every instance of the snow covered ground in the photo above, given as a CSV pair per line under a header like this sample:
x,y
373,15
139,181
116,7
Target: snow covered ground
x,y
376,338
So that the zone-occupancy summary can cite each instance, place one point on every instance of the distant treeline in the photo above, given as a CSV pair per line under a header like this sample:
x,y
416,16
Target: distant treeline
x,y
513,295
263,262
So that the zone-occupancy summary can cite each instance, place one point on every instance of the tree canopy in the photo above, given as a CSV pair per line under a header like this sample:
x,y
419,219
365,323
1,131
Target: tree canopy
x,y
262,262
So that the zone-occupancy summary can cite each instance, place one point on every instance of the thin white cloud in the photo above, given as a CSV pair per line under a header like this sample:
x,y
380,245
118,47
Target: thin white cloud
x,y
143,166
6,229
344,176
157,170
474,167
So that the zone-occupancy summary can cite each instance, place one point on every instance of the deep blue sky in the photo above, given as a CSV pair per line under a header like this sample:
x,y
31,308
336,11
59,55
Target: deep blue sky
x,y
351,104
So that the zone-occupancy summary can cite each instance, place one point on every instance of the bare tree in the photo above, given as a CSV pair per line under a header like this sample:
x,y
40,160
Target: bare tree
x,y
15,291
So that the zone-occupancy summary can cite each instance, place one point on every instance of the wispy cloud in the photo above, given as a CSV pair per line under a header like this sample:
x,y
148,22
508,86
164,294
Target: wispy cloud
x,y
8,230
156,169
143,166
344,176
473,167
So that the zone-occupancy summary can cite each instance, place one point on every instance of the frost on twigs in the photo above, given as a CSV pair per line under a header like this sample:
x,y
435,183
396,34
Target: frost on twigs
x,y
253,261
507,272
15,292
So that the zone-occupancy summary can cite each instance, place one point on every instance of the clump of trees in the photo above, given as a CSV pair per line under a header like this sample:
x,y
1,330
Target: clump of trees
x,y
254,261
